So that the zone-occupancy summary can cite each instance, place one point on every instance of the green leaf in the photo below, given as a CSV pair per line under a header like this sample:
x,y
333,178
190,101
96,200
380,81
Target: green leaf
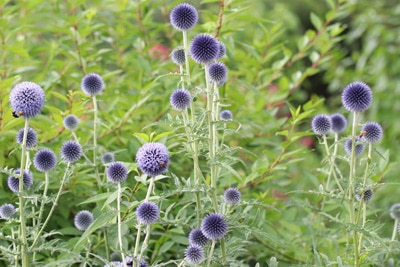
x,y
316,21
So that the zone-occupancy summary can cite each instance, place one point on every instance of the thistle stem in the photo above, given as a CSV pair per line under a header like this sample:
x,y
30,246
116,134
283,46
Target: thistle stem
x,y
95,110
396,222
119,225
211,253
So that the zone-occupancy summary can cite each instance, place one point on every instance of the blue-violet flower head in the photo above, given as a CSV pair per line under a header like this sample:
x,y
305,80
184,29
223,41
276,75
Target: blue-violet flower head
x,y
339,122
357,97
92,84
194,254
226,115
27,99
178,55
117,172
232,196
7,211
395,211
180,99
222,50
372,132
365,196
359,148
204,48
13,182
147,213
31,137
218,73
153,159
83,220
71,151
196,237
321,124
107,157
45,160
214,226
70,122
183,17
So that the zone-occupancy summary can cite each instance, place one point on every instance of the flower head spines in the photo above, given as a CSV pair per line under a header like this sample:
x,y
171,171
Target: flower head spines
x,y
31,137
321,124
27,99
180,99
183,17
147,213
232,196
357,97
339,122
45,160
214,226
107,157
365,196
226,115
178,56
83,220
13,182
395,211
117,172
204,49
194,254
196,237
372,132
71,151
153,159
7,211
92,84
71,122
358,149
218,73
222,50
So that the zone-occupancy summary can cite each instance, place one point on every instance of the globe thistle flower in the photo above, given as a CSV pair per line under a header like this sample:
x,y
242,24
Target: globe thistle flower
x,y
153,159
178,55
107,157
395,211
232,196
71,151
357,97
183,17
70,122
83,220
7,211
117,172
372,132
147,213
180,99
13,182
359,148
27,99
226,115
196,237
31,138
45,160
365,196
194,254
339,122
222,50
218,73
321,124
214,226
204,49
92,84
143,263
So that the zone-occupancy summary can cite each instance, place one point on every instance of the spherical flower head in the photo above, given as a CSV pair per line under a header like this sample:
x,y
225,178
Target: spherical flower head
x,y
339,122
147,213
321,124
196,237
226,115
117,172
107,157
395,211
92,84
180,99
27,99
13,182
183,17
214,226
232,196
45,160
372,132
143,263
153,159
178,56
357,97
194,254
365,196
7,211
222,50
218,73
83,220
31,138
71,151
204,48
71,122
359,148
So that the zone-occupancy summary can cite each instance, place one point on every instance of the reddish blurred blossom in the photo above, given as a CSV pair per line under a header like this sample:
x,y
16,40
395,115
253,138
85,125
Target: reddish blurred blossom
x,y
160,51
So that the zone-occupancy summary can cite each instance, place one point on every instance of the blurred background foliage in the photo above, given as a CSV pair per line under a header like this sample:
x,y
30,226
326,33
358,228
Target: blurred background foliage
x,y
287,60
